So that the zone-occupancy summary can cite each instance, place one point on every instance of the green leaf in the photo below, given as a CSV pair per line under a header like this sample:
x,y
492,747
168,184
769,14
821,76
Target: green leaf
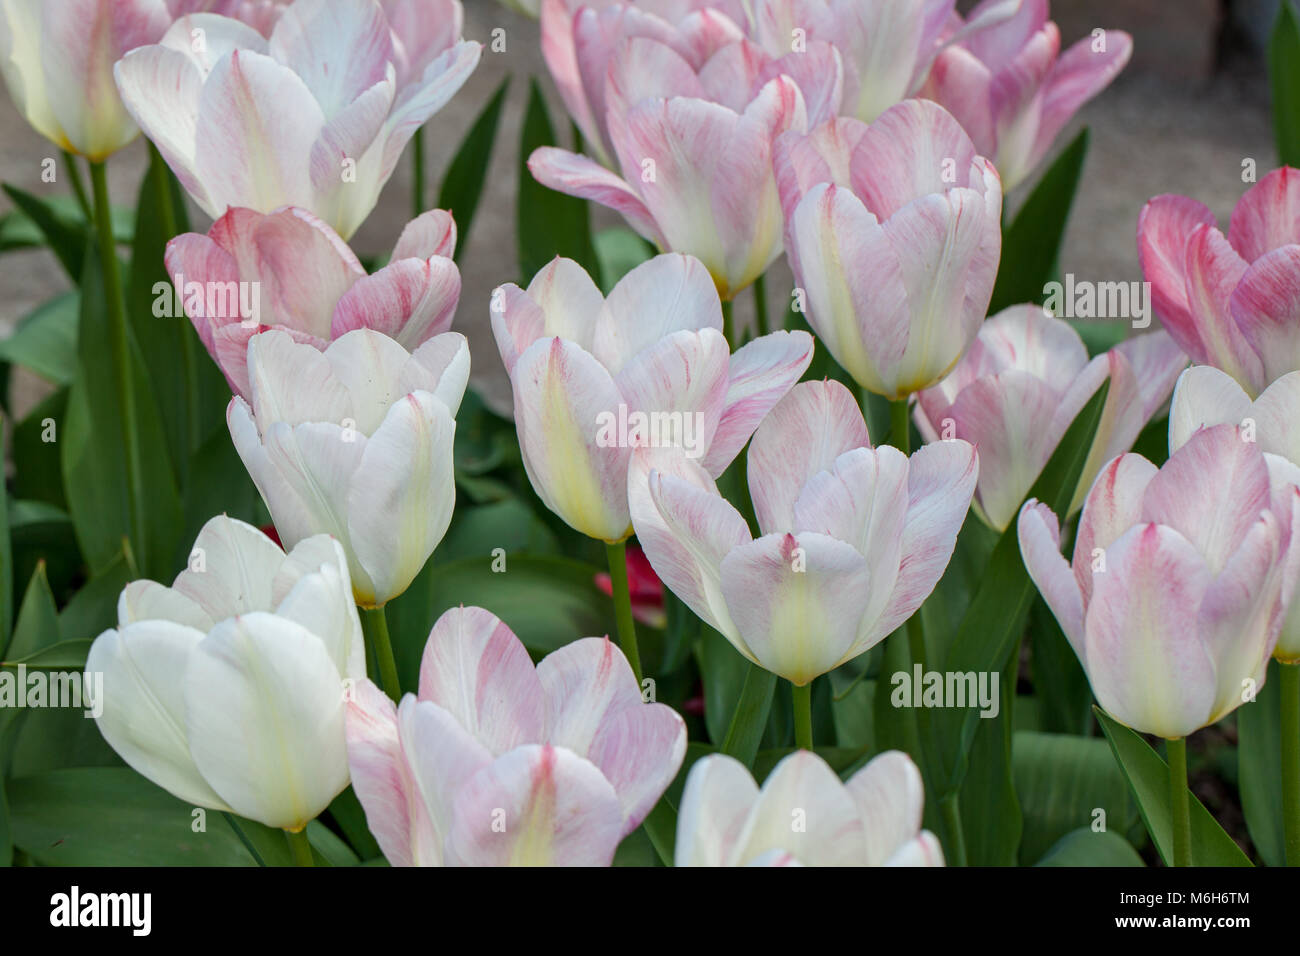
x,y
109,816
46,340
1032,243
347,812
723,672
841,759
93,608
38,473
1083,847
992,625
59,656
745,732
548,223
619,250
462,186
992,818
63,230
1060,684
6,565
328,848
1284,76
1062,780
37,627
1259,742
1148,776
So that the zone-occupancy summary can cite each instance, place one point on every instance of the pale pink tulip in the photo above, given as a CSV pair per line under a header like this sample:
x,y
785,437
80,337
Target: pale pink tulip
x,y
873,819
853,540
1206,396
355,441
261,15
497,762
593,377
289,270
894,234
1232,302
1020,386
316,116
1013,93
1180,582
57,58
691,125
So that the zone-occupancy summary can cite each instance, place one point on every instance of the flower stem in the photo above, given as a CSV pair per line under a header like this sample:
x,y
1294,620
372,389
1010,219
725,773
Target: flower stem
x,y
375,625
78,187
119,345
1179,806
760,304
417,173
617,555
900,426
300,847
1290,681
728,324
803,735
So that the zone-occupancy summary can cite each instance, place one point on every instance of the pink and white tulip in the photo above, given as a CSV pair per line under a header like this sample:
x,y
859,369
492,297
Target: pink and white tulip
x,y
1181,579
582,365
873,819
355,441
1232,302
1022,383
261,15
1012,91
316,116
497,762
1206,396
227,689
690,124
304,280
57,60
894,233
853,539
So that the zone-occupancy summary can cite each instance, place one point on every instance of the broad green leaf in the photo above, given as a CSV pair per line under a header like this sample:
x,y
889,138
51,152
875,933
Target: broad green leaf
x,y
62,229
745,732
1032,243
46,340
723,672
1259,744
1148,776
509,525
1284,76
462,186
1083,847
619,251
93,608
59,656
37,627
6,565
38,473
328,848
548,223
992,818
1060,684
1063,781
843,760
109,816
347,812
41,533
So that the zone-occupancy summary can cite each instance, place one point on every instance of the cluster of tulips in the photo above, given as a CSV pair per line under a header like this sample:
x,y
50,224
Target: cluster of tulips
x,y
871,142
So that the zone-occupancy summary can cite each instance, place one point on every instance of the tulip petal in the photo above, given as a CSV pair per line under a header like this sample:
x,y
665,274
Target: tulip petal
x,y
561,301
1266,308
890,796
1206,396
431,233
1164,226
230,569
411,300
1114,505
340,48
160,87
576,175
1267,217
714,809
1039,533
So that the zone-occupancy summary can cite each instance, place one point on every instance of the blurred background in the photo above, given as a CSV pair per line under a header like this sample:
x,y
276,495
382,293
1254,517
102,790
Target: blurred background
x,y
1189,109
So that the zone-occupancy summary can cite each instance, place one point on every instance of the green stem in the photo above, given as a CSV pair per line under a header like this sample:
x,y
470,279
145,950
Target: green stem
x,y
728,323
803,735
119,345
1290,683
1179,805
78,187
417,173
300,847
617,555
760,304
375,625
900,426
956,837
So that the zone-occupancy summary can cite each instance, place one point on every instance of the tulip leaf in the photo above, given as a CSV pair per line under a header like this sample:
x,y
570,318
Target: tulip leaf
x,y
619,250
992,625
1031,244
1083,847
6,565
38,473
462,185
745,732
991,815
347,812
111,816
62,655
548,223
1148,776
1066,784
1284,75
1259,742
1060,683
64,231
45,341
37,627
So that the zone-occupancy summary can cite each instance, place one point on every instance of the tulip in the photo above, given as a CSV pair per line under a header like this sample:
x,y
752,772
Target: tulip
x,y
1011,91
301,278
854,538
887,46
498,762
693,141
894,234
355,441
1180,579
261,15
872,820
57,59
594,376
1022,383
1231,303
316,117
227,689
